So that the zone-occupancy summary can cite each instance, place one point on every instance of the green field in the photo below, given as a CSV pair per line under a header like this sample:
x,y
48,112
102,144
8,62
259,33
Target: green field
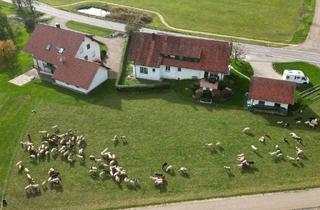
x,y
89,29
160,126
274,20
6,8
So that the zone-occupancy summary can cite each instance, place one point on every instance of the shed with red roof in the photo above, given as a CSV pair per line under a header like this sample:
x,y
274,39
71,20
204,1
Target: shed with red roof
x,y
271,95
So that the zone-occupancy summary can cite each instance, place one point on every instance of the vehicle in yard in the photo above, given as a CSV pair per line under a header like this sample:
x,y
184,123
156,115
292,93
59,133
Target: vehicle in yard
x,y
271,95
296,76
66,58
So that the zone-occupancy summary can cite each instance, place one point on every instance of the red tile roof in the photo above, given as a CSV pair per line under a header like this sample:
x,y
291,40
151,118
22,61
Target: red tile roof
x,y
149,50
265,89
72,70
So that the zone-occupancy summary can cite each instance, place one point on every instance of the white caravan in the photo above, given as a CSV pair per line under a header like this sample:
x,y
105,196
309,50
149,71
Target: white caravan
x,y
295,76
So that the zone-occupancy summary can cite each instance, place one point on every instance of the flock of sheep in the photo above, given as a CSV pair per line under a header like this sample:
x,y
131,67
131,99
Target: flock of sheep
x,y
67,145
71,147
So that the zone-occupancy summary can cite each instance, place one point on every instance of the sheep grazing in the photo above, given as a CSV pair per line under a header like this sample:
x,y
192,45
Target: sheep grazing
x,y
227,169
115,140
285,124
167,168
93,171
247,131
32,189
314,121
285,140
183,171
254,148
20,166
131,183
124,140
159,180
262,139
311,125
292,159
296,137
92,157
299,152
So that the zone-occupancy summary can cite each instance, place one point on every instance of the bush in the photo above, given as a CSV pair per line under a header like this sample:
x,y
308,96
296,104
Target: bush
x,y
7,50
103,54
126,15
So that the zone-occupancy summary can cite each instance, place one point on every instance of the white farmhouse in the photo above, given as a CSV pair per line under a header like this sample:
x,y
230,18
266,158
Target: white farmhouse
x,y
68,59
271,95
159,56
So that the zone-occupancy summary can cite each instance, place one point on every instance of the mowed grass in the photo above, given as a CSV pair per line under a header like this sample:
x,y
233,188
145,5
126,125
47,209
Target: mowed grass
x,y
89,29
274,20
6,8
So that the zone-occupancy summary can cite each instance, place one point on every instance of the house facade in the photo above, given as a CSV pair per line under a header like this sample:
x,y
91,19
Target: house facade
x,y
271,95
70,59
158,56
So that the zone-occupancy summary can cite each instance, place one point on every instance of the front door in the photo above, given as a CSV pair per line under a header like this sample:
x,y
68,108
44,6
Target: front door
x,y
206,74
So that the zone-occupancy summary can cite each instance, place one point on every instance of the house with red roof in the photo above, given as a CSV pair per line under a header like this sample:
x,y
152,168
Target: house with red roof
x,y
271,95
162,56
70,59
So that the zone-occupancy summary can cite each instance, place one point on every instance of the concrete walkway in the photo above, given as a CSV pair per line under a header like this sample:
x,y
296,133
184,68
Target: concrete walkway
x,y
271,201
25,78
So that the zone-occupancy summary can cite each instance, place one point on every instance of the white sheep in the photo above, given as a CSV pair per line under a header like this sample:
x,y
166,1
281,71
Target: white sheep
x,y
247,130
262,139
227,169
254,148
299,151
183,171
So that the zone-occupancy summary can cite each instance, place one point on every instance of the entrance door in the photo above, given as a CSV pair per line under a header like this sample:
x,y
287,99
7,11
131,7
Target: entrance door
x,y
206,75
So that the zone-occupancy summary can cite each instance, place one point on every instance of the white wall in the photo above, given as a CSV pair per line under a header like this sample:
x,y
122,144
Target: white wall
x,y
101,76
72,87
93,53
152,75
161,73
267,103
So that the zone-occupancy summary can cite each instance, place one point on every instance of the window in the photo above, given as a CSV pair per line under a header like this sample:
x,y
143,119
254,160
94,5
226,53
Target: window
x,y
179,69
154,70
288,77
261,102
48,47
88,46
86,57
277,105
61,50
168,68
143,70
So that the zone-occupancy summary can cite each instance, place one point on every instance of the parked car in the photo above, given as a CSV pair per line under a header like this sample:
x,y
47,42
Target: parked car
x,y
296,76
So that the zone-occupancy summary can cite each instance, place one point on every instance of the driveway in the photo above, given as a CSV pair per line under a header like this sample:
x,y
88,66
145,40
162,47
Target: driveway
x,y
270,201
116,48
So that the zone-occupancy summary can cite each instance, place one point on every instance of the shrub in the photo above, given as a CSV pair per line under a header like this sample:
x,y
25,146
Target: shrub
x,y
129,16
103,54
7,50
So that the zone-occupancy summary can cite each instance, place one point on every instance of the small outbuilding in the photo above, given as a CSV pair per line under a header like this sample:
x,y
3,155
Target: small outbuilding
x,y
271,95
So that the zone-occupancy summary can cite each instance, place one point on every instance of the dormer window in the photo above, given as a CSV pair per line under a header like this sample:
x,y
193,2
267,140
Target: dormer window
x,y
48,47
61,50
88,46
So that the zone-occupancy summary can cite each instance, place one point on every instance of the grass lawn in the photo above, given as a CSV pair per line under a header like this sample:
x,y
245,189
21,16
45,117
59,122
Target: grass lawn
x,y
160,126
6,8
94,30
243,67
275,20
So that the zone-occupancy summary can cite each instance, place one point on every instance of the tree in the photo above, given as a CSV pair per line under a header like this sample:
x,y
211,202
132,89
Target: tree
x,y
237,51
7,50
5,28
132,25
26,10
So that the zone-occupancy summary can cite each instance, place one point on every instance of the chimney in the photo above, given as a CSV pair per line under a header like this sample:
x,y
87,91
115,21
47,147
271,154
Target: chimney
x,y
58,25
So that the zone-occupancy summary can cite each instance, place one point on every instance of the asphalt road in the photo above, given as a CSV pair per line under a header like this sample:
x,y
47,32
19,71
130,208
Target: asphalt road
x,y
263,52
271,201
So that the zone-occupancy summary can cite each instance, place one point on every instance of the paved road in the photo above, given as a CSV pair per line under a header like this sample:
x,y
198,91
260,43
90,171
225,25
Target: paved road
x,y
286,54
271,201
